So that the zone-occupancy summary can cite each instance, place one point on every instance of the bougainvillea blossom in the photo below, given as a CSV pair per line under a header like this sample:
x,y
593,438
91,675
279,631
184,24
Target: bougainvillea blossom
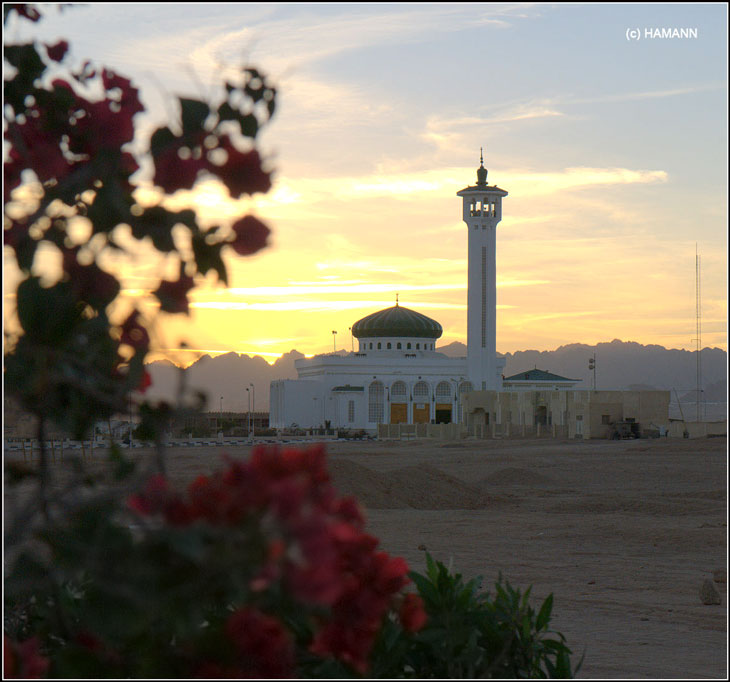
x,y
23,660
57,51
315,549
251,235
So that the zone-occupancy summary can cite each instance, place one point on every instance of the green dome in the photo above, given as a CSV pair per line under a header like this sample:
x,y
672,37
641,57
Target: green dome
x,y
397,321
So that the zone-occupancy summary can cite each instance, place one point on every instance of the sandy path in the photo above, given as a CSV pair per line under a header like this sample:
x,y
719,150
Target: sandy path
x,y
623,533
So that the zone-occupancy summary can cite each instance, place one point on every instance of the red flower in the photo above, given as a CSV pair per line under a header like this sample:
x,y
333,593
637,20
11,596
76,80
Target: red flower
x,y
58,51
145,382
153,498
242,172
251,236
27,11
23,660
8,657
39,149
412,614
134,334
262,642
390,574
172,172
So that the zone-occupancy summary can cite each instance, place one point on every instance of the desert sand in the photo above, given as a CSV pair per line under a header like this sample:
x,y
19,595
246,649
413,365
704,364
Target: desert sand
x,y
622,533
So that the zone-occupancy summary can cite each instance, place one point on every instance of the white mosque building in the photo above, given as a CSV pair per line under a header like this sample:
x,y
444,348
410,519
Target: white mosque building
x,y
396,375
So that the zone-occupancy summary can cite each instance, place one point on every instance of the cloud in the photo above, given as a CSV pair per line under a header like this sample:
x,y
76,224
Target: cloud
x,y
315,305
440,181
648,94
449,133
532,183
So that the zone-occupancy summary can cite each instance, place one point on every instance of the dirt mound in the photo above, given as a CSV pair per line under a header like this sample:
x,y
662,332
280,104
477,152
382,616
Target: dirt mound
x,y
426,487
415,487
372,490
515,476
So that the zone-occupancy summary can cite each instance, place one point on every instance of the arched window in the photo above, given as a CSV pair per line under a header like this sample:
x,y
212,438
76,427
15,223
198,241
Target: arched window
x,y
464,387
443,392
376,402
408,347
398,347
421,392
379,345
418,346
389,346
399,392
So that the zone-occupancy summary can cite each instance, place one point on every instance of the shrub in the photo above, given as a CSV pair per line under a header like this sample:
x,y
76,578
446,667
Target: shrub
x,y
258,570
469,634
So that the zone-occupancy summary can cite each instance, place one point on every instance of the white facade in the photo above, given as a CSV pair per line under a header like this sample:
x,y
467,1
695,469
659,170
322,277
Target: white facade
x,y
361,390
397,376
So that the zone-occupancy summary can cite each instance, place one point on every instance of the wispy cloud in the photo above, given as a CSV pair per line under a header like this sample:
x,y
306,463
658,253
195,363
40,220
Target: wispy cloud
x,y
316,305
647,94
449,133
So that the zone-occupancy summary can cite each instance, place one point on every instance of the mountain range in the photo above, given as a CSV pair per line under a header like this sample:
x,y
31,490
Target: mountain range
x,y
619,365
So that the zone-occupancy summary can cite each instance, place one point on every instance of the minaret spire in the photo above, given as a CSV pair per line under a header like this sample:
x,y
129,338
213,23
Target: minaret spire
x,y
396,300
481,171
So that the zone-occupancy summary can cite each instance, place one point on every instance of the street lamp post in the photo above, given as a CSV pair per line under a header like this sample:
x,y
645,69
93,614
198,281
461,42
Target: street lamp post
x,y
592,366
334,340
249,413
253,390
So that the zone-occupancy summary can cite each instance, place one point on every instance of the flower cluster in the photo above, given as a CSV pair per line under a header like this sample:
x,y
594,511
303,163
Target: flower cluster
x,y
181,158
70,137
317,551
64,136
23,659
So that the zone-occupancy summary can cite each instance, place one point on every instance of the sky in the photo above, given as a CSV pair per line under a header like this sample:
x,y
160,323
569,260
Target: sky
x,y
613,150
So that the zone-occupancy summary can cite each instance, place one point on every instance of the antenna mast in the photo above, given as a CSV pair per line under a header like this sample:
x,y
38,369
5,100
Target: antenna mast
x,y
698,306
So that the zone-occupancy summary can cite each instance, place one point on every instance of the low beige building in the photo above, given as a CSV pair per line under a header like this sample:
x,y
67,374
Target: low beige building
x,y
564,413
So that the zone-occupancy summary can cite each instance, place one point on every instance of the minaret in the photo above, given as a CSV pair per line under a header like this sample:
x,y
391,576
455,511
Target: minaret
x,y
482,212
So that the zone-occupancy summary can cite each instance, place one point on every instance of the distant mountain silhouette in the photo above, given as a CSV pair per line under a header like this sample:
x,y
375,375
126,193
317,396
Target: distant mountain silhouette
x,y
623,365
619,365
227,376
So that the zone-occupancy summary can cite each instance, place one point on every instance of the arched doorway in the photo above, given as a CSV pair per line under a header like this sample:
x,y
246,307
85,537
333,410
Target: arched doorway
x,y
399,403
421,403
443,403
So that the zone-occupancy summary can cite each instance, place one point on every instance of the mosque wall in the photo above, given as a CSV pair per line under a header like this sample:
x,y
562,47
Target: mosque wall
x,y
573,413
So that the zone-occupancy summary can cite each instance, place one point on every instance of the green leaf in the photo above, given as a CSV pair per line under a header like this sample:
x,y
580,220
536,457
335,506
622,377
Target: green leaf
x,y
208,257
543,617
30,66
123,466
249,125
162,139
193,115
25,252
48,315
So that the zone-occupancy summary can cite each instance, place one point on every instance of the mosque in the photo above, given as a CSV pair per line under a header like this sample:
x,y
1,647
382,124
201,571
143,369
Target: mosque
x,y
396,375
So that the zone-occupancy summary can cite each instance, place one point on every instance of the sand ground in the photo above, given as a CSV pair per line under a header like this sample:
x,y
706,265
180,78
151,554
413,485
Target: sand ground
x,y
622,533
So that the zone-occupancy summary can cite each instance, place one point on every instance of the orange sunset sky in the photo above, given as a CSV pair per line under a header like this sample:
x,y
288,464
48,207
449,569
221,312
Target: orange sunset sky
x,y
613,154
